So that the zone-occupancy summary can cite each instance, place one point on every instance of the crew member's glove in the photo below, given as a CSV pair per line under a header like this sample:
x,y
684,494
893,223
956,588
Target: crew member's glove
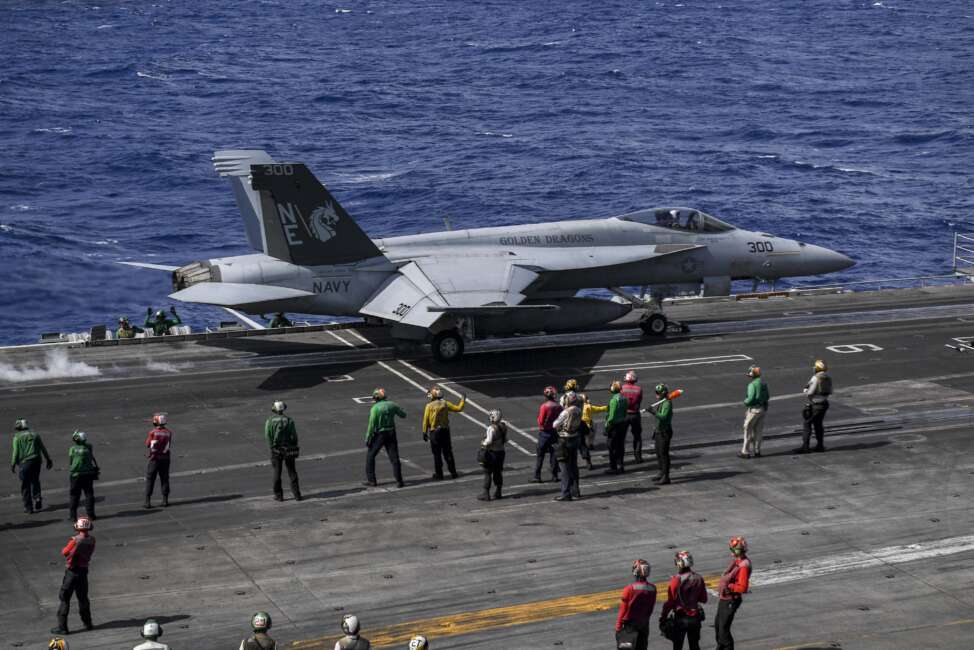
x,y
50,463
426,437
148,311
172,310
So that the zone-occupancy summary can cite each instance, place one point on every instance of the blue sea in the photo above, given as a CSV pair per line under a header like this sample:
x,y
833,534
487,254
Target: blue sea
x,y
845,123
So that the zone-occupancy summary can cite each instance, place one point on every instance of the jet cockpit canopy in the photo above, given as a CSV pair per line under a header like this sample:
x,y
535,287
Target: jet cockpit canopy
x,y
683,219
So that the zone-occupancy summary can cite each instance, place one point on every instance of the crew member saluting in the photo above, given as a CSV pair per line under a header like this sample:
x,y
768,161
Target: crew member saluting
x,y
158,443
436,429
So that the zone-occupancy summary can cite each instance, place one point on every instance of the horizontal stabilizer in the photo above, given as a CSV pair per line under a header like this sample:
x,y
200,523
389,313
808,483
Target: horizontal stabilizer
x,y
230,294
154,267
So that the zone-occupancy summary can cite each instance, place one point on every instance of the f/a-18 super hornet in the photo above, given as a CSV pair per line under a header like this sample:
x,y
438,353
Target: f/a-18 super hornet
x,y
450,287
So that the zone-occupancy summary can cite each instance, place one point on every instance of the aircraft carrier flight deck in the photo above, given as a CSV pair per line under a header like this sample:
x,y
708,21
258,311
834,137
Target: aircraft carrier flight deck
x,y
868,545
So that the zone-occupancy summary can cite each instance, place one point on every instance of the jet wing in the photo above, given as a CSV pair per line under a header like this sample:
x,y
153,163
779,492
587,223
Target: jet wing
x,y
230,294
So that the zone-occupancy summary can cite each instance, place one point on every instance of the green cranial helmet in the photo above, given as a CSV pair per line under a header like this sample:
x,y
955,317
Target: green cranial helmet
x,y
21,425
79,436
662,389
260,621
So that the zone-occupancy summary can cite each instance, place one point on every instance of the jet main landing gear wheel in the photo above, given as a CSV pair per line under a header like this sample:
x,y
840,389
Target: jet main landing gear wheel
x,y
654,325
447,346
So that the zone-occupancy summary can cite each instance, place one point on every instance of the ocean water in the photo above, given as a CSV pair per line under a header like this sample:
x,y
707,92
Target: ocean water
x,y
846,123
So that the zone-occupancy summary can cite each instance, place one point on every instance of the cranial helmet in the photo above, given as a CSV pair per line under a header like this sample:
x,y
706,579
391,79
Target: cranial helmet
x,y
631,377
159,419
615,387
820,366
21,425
83,523
683,560
754,371
260,621
662,389
419,642
79,436
640,569
279,406
550,392
160,315
738,544
378,394
434,393
494,415
151,629
571,384
571,398
350,624
57,643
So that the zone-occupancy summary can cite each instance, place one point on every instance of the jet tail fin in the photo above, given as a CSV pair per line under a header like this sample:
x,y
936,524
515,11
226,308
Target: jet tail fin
x,y
234,164
303,223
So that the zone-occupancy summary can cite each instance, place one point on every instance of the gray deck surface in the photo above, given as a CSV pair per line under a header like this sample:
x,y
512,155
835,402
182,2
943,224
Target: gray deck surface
x,y
870,545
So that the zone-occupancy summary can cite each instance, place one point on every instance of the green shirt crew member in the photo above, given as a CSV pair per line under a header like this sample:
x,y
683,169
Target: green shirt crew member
x,y
282,438
756,404
261,623
280,320
160,324
127,330
83,471
615,429
27,451
663,410
380,434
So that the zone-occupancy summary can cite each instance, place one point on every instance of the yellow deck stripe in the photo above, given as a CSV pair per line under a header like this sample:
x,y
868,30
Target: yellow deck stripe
x,y
488,619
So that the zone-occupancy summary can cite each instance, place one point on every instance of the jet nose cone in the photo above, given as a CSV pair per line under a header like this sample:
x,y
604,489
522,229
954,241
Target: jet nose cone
x,y
819,259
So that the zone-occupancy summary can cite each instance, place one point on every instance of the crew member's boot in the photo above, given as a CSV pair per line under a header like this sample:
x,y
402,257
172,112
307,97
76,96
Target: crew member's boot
x,y
485,496
165,500
147,504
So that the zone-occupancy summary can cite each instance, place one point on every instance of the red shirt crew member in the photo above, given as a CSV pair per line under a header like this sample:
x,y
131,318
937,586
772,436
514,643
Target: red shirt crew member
x,y
636,606
734,582
684,596
547,436
159,443
633,393
77,554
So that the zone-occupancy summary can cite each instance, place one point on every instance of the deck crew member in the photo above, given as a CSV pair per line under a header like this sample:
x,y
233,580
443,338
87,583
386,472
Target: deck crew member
x,y
636,607
352,639
756,404
161,323
615,429
817,392
587,440
26,453
663,410
151,631
83,470
733,585
436,430
684,597
280,320
127,330
58,643
77,555
547,436
381,433
282,439
634,399
158,445
493,452
260,623
568,425
419,642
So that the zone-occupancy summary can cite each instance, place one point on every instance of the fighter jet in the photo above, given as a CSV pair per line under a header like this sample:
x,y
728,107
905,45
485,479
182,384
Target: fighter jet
x,y
450,287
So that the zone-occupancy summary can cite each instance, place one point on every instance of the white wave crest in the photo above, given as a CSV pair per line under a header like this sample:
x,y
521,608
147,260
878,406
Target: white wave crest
x,y
146,75
497,135
5,228
56,366
343,11
20,207
58,130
